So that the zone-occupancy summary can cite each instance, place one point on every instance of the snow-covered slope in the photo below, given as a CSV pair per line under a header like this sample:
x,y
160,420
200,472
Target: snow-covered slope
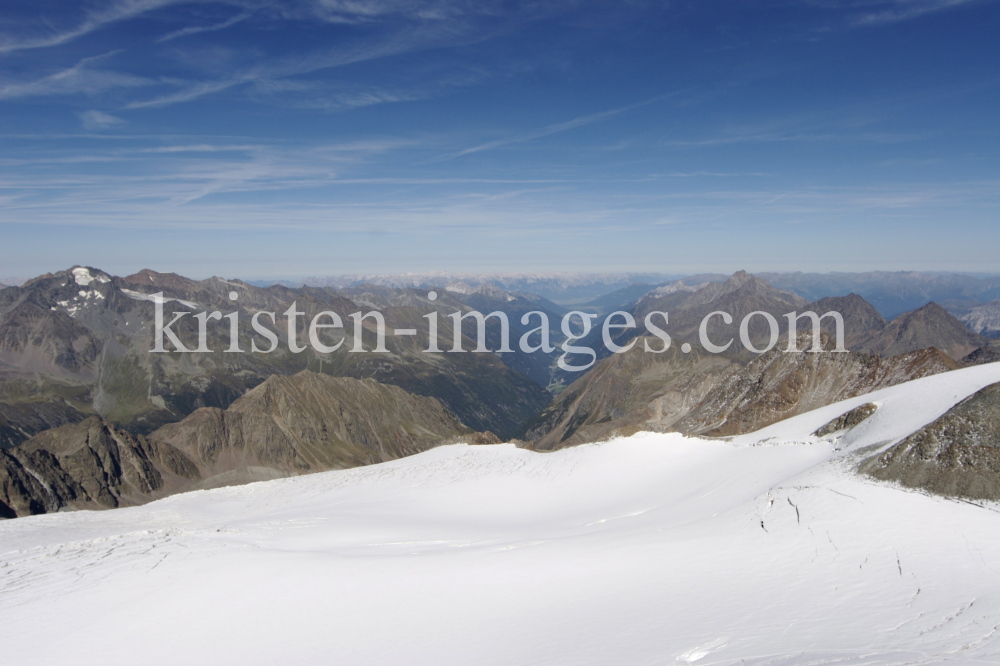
x,y
657,549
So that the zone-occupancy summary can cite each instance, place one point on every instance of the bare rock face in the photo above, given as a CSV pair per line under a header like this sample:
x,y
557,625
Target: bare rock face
x,y
779,385
848,420
91,464
957,455
286,426
23,494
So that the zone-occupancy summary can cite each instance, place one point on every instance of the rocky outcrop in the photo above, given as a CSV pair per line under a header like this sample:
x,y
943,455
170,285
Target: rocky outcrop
x,y
779,385
957,455
848,420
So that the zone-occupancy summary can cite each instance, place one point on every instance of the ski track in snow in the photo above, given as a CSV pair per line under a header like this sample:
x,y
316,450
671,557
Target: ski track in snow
x,y
657,549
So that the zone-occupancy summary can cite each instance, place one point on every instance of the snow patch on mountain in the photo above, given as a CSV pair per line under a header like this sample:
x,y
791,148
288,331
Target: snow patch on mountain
x,y
83,277
139,296
673,288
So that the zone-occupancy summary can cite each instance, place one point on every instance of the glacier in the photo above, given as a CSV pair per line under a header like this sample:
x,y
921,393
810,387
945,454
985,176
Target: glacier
x,y
765,548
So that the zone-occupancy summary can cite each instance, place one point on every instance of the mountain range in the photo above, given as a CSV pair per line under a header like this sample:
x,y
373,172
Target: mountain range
x,y
90,418
76,343
688,304
891,292
560,287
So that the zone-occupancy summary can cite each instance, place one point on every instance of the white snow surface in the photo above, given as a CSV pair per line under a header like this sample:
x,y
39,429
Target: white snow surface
x,y
655,549
139,296
83,277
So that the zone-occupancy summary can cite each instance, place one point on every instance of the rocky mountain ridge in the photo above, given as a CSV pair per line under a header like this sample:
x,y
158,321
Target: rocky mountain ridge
x,y
286,426
705,394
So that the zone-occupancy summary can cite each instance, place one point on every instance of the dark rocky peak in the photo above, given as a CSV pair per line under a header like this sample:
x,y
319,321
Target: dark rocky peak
x,y
862,321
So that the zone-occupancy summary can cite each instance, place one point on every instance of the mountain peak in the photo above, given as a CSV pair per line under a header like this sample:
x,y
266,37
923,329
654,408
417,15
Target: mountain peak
x,y
928,326
740,277
746,284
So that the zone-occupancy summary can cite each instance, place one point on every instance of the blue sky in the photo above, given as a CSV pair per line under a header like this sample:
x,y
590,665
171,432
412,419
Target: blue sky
x,y
261,140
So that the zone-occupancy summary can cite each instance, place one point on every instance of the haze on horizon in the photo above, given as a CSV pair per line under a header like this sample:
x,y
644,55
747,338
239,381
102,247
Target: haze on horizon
x,y
319,137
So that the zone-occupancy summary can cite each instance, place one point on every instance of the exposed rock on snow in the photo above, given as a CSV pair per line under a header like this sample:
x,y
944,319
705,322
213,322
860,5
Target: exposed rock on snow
x,y
958,454
848,420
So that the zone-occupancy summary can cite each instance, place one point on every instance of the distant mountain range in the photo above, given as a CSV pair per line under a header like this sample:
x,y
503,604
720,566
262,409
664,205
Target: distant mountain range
x,y
892,293
688,303
559,287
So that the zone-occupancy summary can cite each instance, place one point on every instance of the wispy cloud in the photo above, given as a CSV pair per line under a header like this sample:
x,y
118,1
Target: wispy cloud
x,y
347,12
904,10
93,20
278,75
196,29
80,78
877,12
385,29
190,92
98,120
549,130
